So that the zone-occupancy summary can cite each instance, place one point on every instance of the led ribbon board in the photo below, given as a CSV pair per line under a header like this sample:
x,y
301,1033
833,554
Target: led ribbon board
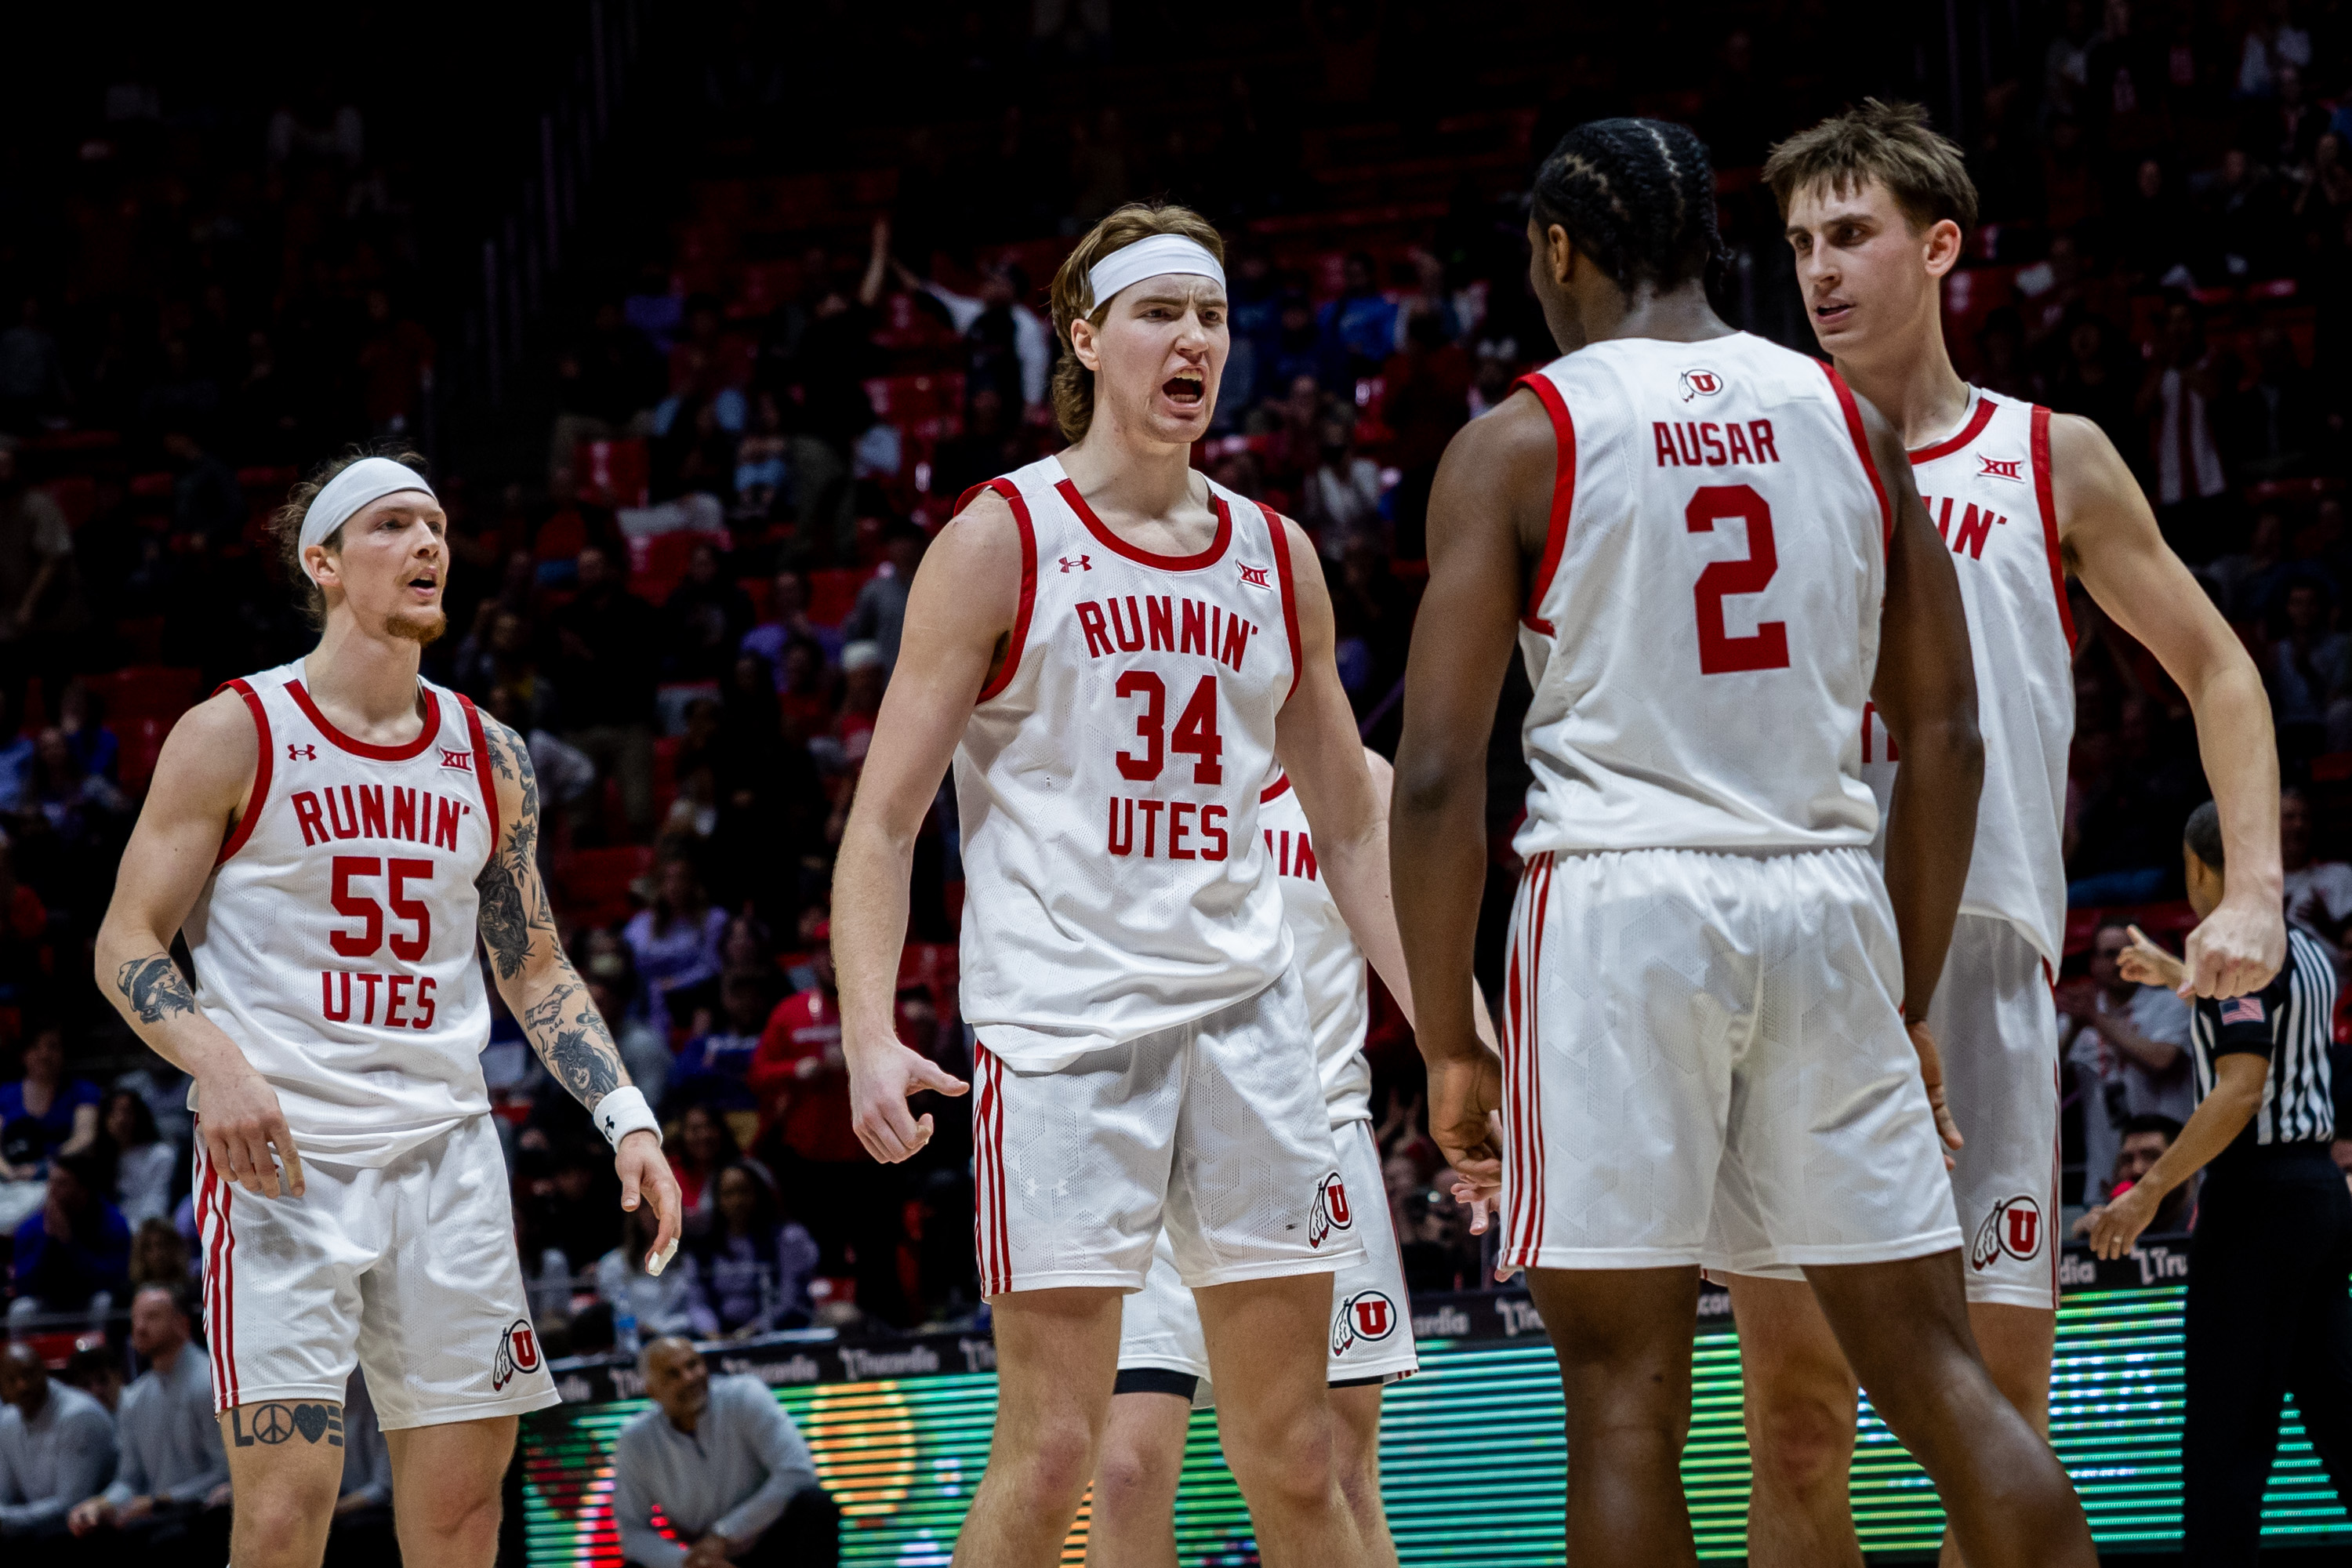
x,y
1471,1450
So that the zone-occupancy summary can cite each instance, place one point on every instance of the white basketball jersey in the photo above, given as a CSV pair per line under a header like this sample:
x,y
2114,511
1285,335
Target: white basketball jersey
x,y
1330,964
1703,628
335,939
1987,487
1107,780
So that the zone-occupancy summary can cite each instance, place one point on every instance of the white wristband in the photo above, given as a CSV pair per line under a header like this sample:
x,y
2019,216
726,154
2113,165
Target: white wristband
x,y
625,1112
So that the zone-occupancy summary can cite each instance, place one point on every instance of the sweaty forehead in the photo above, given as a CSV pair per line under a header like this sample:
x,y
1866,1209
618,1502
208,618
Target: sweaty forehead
x,y
1845,196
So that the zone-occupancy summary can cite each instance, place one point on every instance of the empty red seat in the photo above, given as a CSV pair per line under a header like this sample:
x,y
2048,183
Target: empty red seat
x,y
147,691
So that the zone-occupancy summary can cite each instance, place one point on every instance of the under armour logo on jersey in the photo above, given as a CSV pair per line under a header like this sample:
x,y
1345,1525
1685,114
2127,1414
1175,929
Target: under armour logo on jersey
x,y
1700,383
300,753
2001,469
1257,576
461,761
1083,563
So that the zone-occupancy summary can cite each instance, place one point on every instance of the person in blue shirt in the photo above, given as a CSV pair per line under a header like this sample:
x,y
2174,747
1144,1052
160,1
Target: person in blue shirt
x,y
710,1067
75,1253
1357,329
44,1113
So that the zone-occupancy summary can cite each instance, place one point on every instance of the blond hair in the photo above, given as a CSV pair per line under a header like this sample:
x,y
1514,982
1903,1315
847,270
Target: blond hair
x,y
1074,383
286,524
1889,143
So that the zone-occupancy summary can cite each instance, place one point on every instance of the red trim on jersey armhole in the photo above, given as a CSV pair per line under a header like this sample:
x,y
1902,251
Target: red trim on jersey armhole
x,y
482,770
1280,543
1862,449
1021,614
259,795
2045,497
1112,542
1563,494
1274,790
1979,417
425,735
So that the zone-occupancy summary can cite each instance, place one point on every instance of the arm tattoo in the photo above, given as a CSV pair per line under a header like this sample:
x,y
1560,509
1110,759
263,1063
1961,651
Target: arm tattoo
x,y
513,896
153,987
565,1030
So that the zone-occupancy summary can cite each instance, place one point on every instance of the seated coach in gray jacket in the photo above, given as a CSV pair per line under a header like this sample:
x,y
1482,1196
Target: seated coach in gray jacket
x,y
725,1466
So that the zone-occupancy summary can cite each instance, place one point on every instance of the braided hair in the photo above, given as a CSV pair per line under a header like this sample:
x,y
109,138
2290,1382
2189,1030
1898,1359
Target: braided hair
x,y
1636,196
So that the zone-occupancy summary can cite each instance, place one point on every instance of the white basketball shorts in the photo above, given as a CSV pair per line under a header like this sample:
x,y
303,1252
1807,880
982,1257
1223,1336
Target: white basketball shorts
x,y
1995,1028
1371,1316
408,1269
1705,1064
1215,1128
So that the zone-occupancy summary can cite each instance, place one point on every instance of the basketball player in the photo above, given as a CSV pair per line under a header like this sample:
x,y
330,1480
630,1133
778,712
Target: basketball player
x,y
1877,207
1692,534
1163,1370
328,835
1115,651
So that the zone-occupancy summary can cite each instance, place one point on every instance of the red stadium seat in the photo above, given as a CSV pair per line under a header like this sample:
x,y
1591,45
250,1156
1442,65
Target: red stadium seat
x,y
901,399
592,885
833,593
612,473
147,691
76,495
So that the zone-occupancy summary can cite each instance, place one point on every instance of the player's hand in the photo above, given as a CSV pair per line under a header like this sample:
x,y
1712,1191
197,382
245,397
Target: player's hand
x,y
2234,950
2144,964
238,1118
644,1174
2115,1225
1931,1073
1465,1092
881,1080
1483,1199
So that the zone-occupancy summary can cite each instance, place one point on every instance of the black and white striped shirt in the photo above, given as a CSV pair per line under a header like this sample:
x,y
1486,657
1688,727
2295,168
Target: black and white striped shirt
x,y
2292,1022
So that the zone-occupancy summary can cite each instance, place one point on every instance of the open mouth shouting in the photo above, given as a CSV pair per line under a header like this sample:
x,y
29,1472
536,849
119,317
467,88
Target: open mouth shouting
x,y
1186,389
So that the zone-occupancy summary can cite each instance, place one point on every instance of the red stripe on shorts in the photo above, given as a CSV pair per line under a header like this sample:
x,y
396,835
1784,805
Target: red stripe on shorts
x,y
208,1231
229,1292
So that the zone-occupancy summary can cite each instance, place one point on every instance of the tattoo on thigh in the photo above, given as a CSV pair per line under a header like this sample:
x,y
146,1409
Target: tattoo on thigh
x,y
275,1421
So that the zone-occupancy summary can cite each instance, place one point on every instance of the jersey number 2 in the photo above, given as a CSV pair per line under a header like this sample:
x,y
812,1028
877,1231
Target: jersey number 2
x,y
1719,652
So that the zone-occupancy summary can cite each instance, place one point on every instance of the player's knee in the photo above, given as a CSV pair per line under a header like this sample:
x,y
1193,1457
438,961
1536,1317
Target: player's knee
x,y
1801,1442
451,1514
1132,1476
1053,1468
278,1527
1295,1469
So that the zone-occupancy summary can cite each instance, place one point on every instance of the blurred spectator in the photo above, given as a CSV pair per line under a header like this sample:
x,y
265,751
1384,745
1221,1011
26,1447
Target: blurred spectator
x,y
207,506
706,1145
675,941
145,1167
577,1210
96,749
40,594
2144,1141
713,1068
989,445
805,690
2129,1047
171,1462
15,750
2095,380
567,775
97,1371
722,1463
2273,44
666,1303
787,622
1357,331
160,1255
74,1255
396,364
2308,666
2184,380
44,1113
709,617
863,675
753,1266
611,977
57,1447
32,371
1010,348
1437,1249
605,683
879,615
2318,892
1341,498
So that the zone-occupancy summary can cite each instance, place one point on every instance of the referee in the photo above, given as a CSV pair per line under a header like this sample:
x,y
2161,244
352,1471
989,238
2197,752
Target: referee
x,y
2270,1270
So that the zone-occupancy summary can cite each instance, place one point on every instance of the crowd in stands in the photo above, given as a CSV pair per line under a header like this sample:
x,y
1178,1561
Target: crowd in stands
x,y
690,602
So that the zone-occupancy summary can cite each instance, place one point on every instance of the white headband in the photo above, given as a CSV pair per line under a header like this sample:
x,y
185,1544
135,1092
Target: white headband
x,y
1153,258
370,479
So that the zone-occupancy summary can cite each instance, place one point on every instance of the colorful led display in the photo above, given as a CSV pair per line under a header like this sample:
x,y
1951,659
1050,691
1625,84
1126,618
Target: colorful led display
x,y
1471,1456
